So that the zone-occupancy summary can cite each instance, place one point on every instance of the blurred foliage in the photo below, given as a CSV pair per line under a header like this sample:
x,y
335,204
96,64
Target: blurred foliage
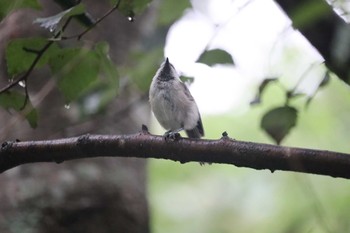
x,y
309,12
85,18
215,56
261,89
8,6
323,83
78,70
277,122
108,84
224,198
193,198
145,60
143,68
15,100
54,23
20,54
170,11
131,7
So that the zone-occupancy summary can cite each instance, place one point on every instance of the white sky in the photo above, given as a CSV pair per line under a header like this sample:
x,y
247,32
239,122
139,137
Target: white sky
x,y
257,35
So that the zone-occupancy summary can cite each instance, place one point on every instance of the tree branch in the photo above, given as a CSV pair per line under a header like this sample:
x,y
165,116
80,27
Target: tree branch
x,y
323,32
144,145
39,54
81,34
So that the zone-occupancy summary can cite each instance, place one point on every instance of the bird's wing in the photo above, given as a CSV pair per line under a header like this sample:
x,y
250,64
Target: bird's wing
x,y
198,131
187,92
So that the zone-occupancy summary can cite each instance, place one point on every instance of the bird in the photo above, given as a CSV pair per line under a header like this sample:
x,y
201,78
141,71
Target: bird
x,y
172,103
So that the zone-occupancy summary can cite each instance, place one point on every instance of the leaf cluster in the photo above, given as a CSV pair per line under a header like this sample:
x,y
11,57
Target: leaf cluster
x,y
279,121
78,70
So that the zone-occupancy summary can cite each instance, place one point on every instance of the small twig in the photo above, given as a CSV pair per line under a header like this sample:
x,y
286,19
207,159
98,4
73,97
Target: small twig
x,y
26,99
29,50
65,25
29,71
303,75
328,25
80,35
220,27
39,54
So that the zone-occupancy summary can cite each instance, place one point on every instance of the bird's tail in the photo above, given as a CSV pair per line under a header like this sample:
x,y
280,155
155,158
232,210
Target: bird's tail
x,y
193,133
196,132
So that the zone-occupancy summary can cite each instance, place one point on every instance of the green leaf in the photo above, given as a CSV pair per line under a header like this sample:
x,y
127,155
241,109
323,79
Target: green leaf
x,y
107,67
18,60
53,22
131,7
326,79
309,12
324,82
7,6
292,94
108,70
145,67
215,56
82,72
15,100
262,87
187,79
76,69
278,122
170,11
86,19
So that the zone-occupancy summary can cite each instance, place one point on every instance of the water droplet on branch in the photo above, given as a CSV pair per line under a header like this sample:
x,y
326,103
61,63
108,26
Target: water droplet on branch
x,y
52,28
22,83
131,16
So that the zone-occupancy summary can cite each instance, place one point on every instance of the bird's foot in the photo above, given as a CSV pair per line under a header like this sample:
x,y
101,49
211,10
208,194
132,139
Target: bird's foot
x,y
172,135
204,163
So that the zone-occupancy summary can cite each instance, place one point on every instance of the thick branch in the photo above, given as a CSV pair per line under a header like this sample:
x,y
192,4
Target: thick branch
x,y
324,32
144,145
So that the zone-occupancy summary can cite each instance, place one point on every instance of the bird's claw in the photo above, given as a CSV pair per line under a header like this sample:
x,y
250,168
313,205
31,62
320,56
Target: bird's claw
x,y
173,136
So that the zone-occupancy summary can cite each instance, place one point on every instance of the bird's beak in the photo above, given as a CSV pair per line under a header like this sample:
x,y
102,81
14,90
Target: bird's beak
x,y
167,65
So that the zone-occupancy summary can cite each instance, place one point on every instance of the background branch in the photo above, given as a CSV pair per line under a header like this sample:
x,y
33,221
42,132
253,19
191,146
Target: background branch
x,y
24,77
145,145
323,32
81,34
39,53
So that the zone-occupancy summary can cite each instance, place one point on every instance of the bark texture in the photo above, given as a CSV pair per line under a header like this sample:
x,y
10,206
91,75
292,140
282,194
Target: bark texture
x,y
144,145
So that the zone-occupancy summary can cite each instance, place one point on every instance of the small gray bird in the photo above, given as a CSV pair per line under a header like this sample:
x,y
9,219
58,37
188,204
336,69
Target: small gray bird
x,y
173,104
